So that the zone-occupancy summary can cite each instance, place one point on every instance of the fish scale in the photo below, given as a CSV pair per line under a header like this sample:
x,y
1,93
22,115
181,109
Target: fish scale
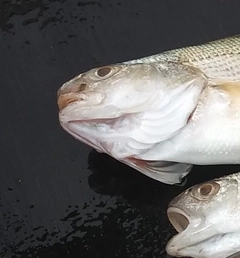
x,y
219,60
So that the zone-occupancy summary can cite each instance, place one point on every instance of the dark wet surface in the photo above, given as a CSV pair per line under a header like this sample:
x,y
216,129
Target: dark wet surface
x,y
57,197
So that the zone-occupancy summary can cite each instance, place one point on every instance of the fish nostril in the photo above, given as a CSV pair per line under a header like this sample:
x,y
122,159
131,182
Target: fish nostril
x,y
71,87
179,221
82,86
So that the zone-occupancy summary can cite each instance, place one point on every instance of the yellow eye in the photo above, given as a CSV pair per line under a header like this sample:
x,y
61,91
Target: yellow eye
x,y
206,190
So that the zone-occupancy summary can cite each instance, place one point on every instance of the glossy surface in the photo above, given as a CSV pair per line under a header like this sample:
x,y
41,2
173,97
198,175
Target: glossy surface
x,y
56,199
206,217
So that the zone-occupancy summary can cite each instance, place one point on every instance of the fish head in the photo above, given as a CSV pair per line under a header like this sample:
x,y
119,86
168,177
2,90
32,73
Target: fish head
x,y
108,92
114,108
206,217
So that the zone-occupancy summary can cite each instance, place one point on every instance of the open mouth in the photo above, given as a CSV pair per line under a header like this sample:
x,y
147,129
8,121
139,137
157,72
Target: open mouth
x,y
195,236
178,218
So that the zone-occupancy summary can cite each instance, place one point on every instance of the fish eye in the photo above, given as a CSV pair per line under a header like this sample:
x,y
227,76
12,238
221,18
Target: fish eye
x,y
205,190
103,71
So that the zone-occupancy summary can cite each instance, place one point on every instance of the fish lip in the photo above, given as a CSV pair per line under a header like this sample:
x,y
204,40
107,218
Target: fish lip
x,y
178,218
175,248
74,102
93,120
181,221
88,122
65,118
103,120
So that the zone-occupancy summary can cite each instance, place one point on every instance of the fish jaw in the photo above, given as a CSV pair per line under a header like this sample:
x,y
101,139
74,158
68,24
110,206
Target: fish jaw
x,y
217,246
207,219
105,135
201,240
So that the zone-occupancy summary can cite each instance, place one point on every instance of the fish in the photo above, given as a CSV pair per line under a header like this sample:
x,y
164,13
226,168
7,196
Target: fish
x,y
163,113
207,219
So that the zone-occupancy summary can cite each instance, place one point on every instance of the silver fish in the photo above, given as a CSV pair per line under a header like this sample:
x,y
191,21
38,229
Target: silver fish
x,y
161,114
207,217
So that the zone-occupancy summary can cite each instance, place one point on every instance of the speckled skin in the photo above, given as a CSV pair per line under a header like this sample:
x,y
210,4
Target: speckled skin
x,y
219,60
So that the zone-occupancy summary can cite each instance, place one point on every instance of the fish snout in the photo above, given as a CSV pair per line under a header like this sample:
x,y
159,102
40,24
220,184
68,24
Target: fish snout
x,y
70,92
73,86
65,99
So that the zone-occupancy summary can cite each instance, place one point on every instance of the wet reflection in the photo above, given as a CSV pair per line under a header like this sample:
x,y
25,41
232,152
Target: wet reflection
x,y
110,177
122,213
149,197
51,204
44,12
125,216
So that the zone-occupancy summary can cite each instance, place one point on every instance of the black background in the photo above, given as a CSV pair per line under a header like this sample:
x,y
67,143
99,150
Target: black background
x,y
57,197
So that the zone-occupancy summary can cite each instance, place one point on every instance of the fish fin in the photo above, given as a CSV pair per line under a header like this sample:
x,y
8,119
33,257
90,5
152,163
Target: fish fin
x,y
232,88
163,171
183,182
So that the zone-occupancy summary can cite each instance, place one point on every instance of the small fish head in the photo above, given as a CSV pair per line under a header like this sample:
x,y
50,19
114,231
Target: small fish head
x,y
96,105
203,213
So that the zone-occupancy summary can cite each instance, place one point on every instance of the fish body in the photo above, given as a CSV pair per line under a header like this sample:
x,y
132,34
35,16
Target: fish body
x,y
207,218
161,114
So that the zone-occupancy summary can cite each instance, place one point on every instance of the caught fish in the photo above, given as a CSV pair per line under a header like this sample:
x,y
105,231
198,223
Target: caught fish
x,y
161,114
207,217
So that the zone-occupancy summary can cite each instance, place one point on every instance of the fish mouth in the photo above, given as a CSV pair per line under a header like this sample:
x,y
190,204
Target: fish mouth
x,y
82,128
95,123
178,218
200,240
94,120
192,231
66,100
67,127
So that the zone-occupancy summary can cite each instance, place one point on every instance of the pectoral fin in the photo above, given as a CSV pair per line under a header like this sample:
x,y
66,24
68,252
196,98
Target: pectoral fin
x,y
232,89
163,171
